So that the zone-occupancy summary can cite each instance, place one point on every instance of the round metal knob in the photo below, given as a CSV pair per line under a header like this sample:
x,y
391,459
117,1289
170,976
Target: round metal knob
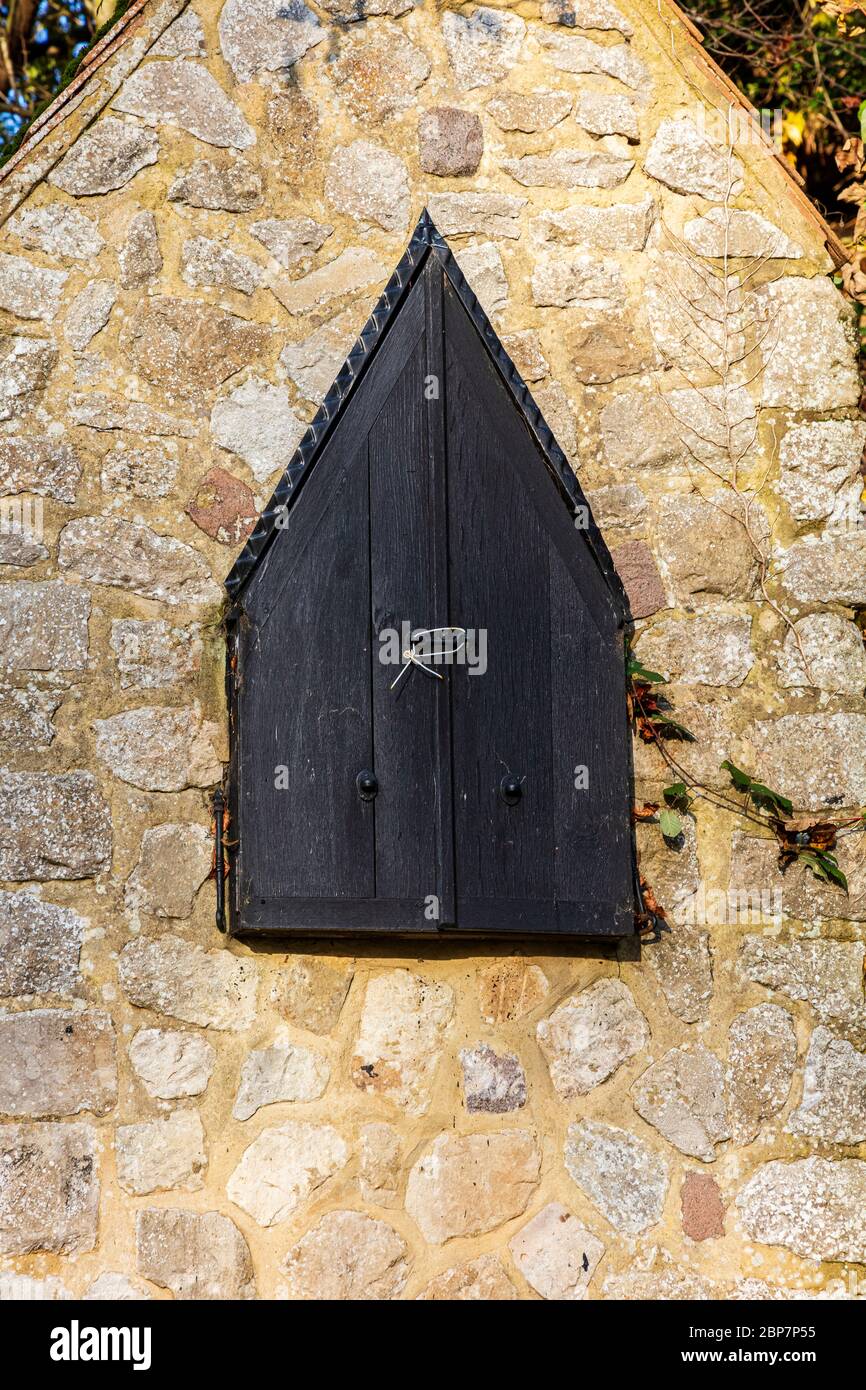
x,y
510,789
367,783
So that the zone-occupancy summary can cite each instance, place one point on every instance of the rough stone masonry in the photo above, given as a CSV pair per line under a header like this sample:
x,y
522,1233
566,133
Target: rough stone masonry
x,y
187,254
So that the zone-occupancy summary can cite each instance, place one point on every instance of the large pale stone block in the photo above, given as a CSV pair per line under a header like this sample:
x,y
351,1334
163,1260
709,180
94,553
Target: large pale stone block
x,y
159,1155
571,53
812,1206
828,975
57,1062
49,1189
784,758
29,291
828,568
39,946
283,1167
482,46
153,655
52,826
570,169
529,111
400,1039
107,550
211,988
682,1095
283,1072
684,158
195,1254
234,187
58,230
715,649
173,863
256,422
311,991
556,1254
466,1184
833,1104
620,1174
377,72
38,464
186,95
105,157
370,183
188,347
683,965
589,1037
159,749
43,627
172,1064
347,1255
762,1056
809,345
262,36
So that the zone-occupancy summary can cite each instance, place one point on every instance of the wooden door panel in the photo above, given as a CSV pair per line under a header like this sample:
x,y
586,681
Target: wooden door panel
x,y
306,710
591,842
499,582
405,719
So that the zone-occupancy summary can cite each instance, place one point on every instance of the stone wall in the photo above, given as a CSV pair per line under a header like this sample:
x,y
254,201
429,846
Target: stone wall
x,y
187,253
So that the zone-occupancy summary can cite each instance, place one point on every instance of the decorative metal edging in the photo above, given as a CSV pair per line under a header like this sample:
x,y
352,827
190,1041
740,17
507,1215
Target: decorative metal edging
x,y
424,239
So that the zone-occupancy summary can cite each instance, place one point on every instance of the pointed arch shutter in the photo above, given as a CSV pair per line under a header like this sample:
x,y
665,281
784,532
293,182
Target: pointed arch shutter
x,y
429,504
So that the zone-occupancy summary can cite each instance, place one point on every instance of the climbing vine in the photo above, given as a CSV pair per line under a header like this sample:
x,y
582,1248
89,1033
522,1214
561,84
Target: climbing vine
x,y
801,838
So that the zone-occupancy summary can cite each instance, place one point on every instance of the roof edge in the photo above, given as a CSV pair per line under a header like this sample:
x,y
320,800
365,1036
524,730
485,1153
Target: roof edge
x,y
91,61
92,89
839,253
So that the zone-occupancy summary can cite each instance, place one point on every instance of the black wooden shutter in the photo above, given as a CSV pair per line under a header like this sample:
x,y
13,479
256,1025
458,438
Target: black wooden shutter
x,y
429,504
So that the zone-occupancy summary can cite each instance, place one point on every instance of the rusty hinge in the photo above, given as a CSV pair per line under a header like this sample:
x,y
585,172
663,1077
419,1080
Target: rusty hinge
x,y
220,866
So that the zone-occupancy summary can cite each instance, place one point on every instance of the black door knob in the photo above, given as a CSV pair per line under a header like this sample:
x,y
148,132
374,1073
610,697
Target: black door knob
x,y
510,789
367,783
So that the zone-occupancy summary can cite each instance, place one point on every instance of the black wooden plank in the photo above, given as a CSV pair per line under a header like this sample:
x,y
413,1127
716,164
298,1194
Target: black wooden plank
x,y
406,719
501,719
519,448
435,399
306,710
329,914
405,918
590,748
594,917
273,575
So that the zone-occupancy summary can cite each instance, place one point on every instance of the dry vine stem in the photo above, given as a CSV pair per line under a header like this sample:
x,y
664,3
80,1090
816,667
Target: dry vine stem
x,y
725,330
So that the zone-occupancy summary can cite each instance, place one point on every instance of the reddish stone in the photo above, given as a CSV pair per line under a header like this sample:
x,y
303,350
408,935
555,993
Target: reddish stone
x,y
703,1208
450,141
223,507
639,573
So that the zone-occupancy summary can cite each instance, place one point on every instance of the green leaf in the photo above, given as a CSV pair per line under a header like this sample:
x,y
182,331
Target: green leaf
x,y
642,674
662,721
677,795
861,116
759,793
813,862
741,780
671,824
824,867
